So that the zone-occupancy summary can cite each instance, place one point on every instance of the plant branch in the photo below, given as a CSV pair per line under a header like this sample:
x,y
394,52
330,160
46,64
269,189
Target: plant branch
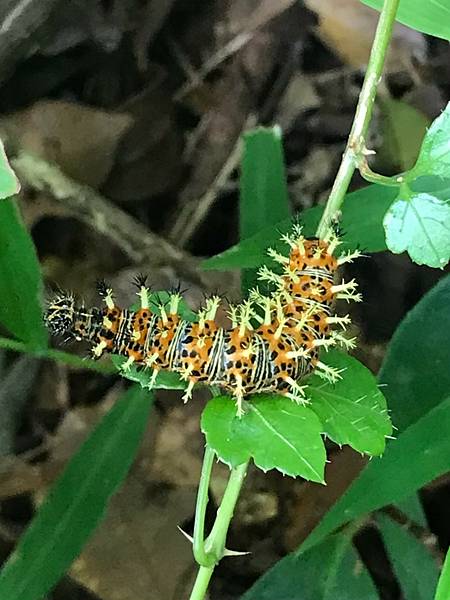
x,y
139,243
201,556
355,150
214,546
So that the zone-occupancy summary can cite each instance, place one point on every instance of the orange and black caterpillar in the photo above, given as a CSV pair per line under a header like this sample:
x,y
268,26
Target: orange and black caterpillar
x,y
273,341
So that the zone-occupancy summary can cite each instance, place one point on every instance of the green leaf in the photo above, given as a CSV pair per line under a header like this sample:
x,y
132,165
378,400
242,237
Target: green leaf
x,y
331,571
404,128
434,157
274,431
362,226
20,280
353,410
77,501
76,362
264,196
427,16
419,455
443,588
165,380
415,568
263,189
9,184
415,373
413,509
420,225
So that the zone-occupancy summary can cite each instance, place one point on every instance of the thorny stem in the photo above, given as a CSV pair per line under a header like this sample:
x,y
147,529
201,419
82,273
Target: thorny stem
x,y
354,154
208,553
198,545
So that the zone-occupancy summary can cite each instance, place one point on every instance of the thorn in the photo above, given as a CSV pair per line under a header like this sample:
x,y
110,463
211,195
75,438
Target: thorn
x,y
186,535
227,552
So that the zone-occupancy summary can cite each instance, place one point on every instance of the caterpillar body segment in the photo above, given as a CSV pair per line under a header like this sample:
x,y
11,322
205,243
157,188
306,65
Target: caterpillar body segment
x,y
273,342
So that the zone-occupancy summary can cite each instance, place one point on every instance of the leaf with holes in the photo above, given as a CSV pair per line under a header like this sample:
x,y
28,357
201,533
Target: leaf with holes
x,y
352,410
274,431
420,225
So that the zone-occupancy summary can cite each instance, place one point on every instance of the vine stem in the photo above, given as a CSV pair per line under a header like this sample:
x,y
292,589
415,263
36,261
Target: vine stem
x,y
210,551
355,151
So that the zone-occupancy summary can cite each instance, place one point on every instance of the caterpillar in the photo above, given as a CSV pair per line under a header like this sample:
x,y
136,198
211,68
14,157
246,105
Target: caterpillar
x,y
273,342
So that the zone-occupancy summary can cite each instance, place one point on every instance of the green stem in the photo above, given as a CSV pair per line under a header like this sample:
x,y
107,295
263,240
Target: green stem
x,y
355,145
201,583
214,547
216,539
201,556
64,357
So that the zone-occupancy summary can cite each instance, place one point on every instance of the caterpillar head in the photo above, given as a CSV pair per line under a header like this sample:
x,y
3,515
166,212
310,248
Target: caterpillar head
x,y
60,314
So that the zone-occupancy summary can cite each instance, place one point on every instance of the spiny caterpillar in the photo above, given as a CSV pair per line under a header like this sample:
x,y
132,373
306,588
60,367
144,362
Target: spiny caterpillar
x,y
273,342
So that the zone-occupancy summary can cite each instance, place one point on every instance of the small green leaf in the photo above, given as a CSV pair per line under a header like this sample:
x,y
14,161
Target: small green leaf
x,y
415,568
353,410
274,431
443,587
418,455
9,184
434,157
165,380
331,571
427,16
77,501
415,373
20,280
420,225
362,226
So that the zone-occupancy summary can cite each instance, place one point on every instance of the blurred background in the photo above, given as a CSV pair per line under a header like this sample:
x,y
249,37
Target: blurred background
x,y
123,120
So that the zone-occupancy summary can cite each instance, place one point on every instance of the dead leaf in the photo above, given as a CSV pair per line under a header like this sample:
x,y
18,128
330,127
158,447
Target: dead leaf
x,y
348,28
80,139
138,552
